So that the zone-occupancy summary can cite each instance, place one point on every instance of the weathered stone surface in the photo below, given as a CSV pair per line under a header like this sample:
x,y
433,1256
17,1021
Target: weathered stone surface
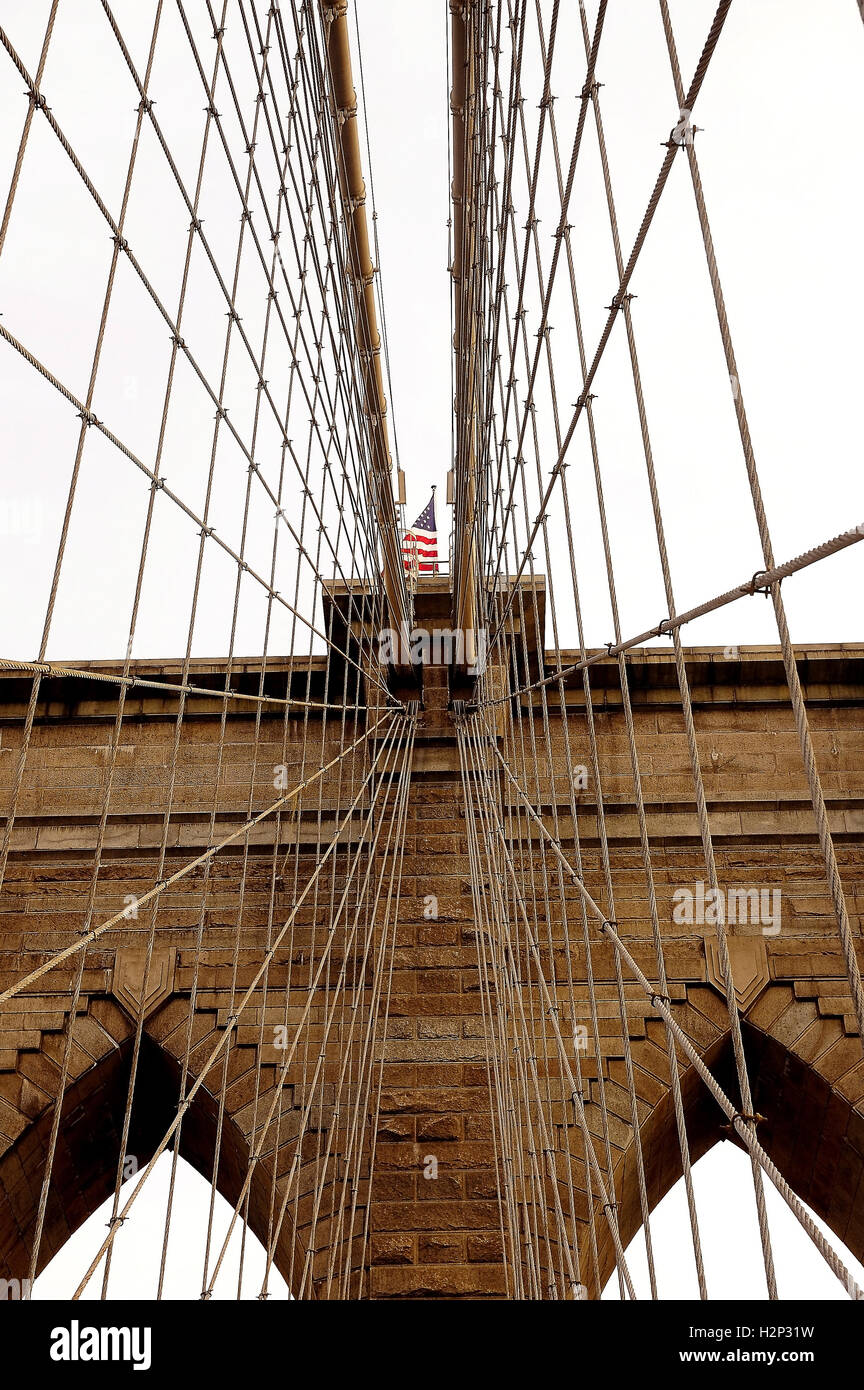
x,y
434,1216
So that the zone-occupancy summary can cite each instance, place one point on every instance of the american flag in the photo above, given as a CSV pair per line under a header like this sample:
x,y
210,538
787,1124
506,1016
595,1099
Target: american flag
x,y
420,544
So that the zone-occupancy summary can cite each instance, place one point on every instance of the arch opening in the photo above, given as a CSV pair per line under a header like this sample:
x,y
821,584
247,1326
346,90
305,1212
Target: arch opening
x,y
83,1178
812,1131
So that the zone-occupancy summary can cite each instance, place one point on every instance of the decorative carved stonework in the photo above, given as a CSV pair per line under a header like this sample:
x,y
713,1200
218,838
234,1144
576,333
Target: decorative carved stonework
x,y
128,983
748,956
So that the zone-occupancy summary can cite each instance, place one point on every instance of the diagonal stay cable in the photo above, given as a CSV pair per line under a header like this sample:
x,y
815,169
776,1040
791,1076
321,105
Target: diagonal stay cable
x,y
402,755
53,668
28,122
759,583
189,868
705,830
121,244
617,300
802,723
527,412
661,1005
232,1022
255,1155
552,1009
161,484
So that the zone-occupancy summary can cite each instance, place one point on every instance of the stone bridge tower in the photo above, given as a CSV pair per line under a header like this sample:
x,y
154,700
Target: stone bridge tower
x,y
441,1237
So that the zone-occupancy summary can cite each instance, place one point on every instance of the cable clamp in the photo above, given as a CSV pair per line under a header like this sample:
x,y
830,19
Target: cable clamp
x,y
742,1115
754,588
206,530
196,224
116,1221
682,134
658,999
88,417
619,300
157,483
146,104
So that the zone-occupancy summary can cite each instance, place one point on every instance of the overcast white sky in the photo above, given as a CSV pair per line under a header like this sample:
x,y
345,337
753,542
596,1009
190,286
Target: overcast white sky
x,y
727,1227
782,111
783,117
780,165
